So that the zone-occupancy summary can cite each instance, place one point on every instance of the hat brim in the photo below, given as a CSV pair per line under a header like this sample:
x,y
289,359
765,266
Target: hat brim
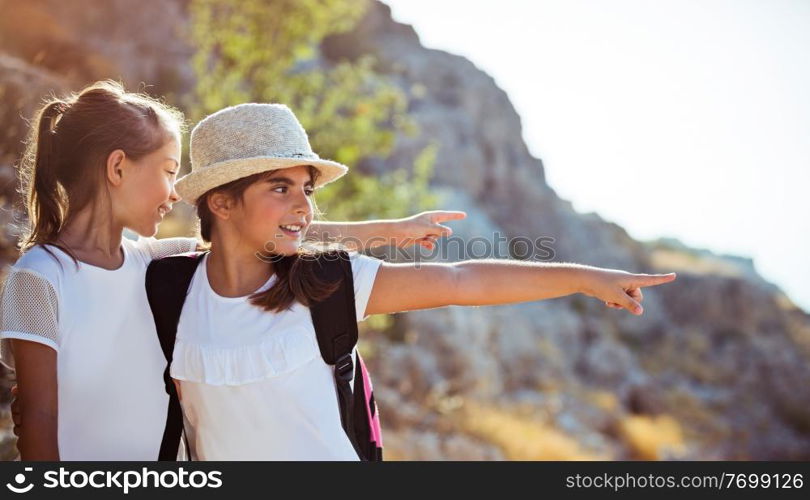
x,y
193,185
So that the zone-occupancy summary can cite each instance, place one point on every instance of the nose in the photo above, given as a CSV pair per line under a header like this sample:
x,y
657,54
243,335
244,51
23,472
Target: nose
x,y
173,196
303,205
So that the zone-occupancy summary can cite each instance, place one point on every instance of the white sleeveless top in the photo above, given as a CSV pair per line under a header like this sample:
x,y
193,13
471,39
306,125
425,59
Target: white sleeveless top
x,y
111,396
253,383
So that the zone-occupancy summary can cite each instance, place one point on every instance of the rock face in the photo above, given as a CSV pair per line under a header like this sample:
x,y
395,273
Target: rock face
x,y
720,351
717,366
84,41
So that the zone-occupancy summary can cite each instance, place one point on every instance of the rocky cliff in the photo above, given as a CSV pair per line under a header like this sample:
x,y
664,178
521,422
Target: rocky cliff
x,y
717,367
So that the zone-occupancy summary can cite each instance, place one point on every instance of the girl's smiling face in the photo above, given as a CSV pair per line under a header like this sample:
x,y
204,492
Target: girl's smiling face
x,y
146,193
275,211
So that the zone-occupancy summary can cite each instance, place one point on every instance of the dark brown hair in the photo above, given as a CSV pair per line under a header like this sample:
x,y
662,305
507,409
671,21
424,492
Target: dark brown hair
x,y
296,279
62,170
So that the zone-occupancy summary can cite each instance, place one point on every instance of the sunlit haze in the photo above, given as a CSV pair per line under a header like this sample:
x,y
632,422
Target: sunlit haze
x,y
688,118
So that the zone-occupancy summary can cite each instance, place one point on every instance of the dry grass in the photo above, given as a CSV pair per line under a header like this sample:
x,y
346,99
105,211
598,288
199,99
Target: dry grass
x,y
651,437
604,400
520,437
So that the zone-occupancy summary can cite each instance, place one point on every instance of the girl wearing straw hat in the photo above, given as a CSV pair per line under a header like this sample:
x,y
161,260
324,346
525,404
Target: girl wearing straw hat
x,y
74,315
246,361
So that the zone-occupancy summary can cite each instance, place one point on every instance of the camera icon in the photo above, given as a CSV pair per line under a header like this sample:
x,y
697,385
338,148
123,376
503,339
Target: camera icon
x,y
20,479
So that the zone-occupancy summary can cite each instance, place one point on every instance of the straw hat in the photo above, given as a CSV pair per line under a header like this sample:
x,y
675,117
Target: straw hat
x,y
247,139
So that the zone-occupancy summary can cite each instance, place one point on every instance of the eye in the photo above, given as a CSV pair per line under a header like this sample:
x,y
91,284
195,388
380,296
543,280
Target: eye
x,y
309,191
173,172
283,188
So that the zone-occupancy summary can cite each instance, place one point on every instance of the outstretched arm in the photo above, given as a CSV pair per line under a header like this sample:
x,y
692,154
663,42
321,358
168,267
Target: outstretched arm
x,y
422,229
404,287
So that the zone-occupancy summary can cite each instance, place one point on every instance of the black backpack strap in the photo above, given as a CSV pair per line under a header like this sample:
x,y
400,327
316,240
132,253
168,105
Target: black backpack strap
x,y
335,321
167,282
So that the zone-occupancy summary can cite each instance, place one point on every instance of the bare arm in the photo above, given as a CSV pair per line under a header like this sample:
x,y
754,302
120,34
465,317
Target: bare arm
x,y
354,235
37,400
422,229
404,287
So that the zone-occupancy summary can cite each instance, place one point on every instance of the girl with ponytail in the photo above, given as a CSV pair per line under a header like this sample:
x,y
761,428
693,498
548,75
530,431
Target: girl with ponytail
x,y
74,317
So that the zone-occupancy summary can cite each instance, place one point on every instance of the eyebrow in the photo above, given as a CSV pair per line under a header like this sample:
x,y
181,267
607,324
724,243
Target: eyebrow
x,y
174,160
287,181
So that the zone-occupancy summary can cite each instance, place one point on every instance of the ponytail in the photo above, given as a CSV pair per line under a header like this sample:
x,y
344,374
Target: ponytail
x,y
45,198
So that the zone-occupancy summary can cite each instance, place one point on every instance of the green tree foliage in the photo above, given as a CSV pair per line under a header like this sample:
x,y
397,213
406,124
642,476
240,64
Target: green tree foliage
x,y
267,51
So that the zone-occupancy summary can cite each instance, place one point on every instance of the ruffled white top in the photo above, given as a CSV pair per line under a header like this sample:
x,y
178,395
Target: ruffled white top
x,y
253,384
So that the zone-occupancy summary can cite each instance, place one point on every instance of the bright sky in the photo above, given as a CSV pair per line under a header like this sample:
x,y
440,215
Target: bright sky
x,y
687,118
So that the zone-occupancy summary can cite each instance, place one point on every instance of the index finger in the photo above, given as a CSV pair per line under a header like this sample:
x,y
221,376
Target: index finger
x,y
445,215
652,279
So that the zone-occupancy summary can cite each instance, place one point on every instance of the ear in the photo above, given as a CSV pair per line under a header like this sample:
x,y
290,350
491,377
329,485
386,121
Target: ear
x,y
220,204
115,167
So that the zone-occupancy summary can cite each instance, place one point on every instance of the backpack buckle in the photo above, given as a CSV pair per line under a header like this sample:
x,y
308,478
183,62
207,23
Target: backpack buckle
x,y
344,368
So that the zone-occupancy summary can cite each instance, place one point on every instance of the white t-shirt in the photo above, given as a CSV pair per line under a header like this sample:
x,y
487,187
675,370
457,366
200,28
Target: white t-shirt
x,y
253,383
111,396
